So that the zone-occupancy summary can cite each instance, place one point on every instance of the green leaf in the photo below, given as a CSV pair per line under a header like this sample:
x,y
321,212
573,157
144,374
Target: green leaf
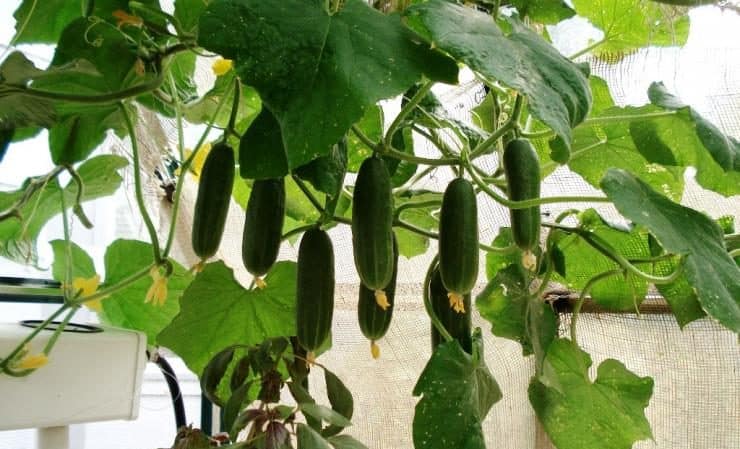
x,y
411,244
215,308
458,391
597,147
262,154
325,414
371,125
18,237
679,294
515,314
326,173
556,89
544,11
204,108
82,263
582,262
496,261
16,108
317,73
310,439
188,12
401,171
181,68
346,442
126,307
340,399
709,269
213,373
578,414
724,149
632,24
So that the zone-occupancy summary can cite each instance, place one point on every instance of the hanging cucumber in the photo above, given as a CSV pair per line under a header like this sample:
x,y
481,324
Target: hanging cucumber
x,y
372,227
212,203
522,169
263,227
374,320
457,324
314,290
458,241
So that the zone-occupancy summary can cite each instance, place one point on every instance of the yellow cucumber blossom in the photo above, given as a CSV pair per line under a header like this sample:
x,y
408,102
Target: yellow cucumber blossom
x,y
374,350
456,302
381,299
87,287
123,18
200,158
26,361
221,66
157,293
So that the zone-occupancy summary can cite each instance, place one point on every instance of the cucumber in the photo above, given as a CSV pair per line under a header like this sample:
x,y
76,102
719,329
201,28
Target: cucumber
x,y
212,202
457,324
372,225
458,241
522,169
263,227
373,318
314,290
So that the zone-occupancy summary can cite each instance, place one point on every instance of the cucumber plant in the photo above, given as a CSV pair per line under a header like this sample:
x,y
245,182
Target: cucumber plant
x,y
302,87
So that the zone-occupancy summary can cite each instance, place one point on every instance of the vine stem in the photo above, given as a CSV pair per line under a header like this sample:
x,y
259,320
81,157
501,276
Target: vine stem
x,y
58,331
137,185
510,124
33,186
406,110
113,288
388,150
582,297
111,97
428,301
415,205
533,202
627,118
4,362
583,51
184,169
433,235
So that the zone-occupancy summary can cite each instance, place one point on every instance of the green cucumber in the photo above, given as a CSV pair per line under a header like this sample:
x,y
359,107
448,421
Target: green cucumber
x,y
314,290
457,324
374,319
212,202
372,224
458,241
263,226
522,169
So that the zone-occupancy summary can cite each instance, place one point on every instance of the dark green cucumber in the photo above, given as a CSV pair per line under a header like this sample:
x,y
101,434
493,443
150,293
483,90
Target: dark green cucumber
x,y
374,319
458,239
457,324
522,169
212,203
372,224
263,225
314,289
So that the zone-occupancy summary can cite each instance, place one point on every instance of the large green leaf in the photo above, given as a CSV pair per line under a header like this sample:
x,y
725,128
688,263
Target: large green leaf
x,y
557,91
632,24
709,268
679,295
217,312
308,438
579,414
457,392
82,263
582,262
411,244
496,261
126,307
317,73
515,314
16,108
18,237
371,125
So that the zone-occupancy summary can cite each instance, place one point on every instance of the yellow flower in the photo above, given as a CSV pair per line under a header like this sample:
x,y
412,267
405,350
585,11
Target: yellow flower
x,y
87,287
157,293
200,158
374,350
222,66
124,18
456,302
381,299
32,362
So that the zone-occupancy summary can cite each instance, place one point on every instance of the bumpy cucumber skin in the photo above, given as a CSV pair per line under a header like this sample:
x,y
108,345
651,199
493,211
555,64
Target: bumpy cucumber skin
x,y
372,224
212,203
314,289
522,169
263,225
458,237
457,324
374,321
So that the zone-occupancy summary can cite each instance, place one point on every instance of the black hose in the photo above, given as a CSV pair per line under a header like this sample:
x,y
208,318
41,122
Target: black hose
x,y
176,395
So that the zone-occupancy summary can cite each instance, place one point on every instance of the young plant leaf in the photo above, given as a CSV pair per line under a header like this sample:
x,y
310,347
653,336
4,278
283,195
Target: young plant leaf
x,y
214,309
324,91
544,11
680,230
556,90
457,392
82,264
346,442
496,261
126,307
213,373
326,414
310,439
340,399
515,314
577,414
